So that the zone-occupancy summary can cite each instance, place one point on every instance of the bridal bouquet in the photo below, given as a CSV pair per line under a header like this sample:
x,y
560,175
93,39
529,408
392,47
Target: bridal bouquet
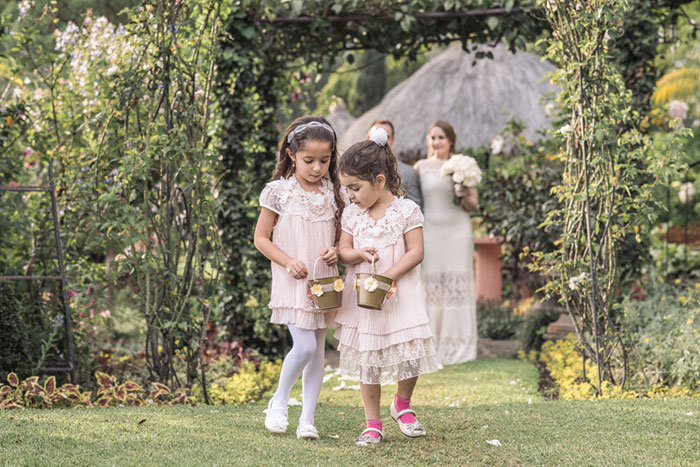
x,y
463,170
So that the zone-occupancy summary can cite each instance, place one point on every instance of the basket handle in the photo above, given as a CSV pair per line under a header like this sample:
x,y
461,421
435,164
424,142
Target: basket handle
x,y
374,271
313,274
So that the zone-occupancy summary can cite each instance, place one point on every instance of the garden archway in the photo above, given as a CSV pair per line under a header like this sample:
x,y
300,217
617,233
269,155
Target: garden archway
x,y
265,41
254,69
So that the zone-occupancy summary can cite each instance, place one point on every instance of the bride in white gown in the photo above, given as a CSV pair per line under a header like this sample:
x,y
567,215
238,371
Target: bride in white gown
x,y
448,268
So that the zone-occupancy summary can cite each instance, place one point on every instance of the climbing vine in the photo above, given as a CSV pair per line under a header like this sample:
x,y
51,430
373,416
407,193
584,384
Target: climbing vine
x,y
610,170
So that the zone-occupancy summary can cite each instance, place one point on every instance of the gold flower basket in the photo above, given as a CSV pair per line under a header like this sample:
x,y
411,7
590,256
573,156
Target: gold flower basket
x,y
373,289
326,292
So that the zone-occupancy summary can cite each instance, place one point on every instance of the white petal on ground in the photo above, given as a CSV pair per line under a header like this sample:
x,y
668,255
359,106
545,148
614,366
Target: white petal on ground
x,y
293,402
340,386
328,376
494,442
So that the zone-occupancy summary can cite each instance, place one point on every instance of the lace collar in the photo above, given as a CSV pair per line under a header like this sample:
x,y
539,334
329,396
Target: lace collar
x,y
392,208
321,205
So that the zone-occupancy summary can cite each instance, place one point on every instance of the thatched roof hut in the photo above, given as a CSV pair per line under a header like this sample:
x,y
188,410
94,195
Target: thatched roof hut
x,y
477,100
339,118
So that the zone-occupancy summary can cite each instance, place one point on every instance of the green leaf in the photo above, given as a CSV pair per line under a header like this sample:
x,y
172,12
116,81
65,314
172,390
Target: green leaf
x,y
492,22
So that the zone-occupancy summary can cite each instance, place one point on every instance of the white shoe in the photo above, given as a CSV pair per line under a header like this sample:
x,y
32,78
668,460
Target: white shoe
x,y
275,422
307,432
368,440
412,430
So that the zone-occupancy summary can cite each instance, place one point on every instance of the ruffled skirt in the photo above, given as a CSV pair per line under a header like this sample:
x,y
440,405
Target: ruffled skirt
x,y
394,362
303,319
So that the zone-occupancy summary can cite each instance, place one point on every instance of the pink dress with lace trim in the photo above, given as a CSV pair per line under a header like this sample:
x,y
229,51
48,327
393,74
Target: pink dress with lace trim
x,y
395,343
304,228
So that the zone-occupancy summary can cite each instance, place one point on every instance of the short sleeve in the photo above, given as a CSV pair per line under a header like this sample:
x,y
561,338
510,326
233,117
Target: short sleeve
x,y
269,198
414,216
347,221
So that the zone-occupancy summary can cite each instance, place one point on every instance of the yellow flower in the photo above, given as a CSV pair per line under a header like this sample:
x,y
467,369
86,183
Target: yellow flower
x,y
317,290
392,290
370,284
339,285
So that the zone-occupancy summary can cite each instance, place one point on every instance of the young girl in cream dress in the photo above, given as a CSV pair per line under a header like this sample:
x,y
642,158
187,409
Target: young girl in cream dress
x,y
395,343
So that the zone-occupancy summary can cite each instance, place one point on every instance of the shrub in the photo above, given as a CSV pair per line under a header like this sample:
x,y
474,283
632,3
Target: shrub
x,y
30,394
531,331
496,321
664,330
566,367
249,383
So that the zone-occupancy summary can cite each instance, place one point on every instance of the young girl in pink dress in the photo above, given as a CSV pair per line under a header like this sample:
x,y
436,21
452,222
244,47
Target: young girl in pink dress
x,y
301,209
395,343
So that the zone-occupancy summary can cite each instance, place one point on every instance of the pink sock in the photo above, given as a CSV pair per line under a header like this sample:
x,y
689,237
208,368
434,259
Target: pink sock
x,y
374,424
403,404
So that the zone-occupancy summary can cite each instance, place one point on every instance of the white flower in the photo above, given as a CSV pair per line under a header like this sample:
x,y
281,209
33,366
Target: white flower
x,y
565,129
317,290
379,136
463,170
574,281
22,10
550,108
370,284
686,192
199,93
497,144
678,109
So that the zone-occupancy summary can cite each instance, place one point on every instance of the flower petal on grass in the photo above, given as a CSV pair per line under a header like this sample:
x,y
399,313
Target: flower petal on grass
x,y
494,442
293,402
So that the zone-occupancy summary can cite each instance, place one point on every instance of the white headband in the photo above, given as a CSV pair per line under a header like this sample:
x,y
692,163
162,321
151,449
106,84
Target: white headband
x,y
304,126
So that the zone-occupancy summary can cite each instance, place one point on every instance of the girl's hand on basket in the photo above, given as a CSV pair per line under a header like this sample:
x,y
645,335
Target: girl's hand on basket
x,y
296,269
329,256
368,253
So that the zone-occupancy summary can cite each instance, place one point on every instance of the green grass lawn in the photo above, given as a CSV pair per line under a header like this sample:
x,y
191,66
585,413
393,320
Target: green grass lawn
x,y
462,407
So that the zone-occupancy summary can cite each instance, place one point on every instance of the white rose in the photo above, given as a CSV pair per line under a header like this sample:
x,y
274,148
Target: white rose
x,y
448,167
565,129
497,144
458,177
686,193
678,109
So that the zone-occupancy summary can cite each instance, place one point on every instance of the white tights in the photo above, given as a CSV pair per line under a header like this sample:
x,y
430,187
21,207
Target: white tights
x,y
307,355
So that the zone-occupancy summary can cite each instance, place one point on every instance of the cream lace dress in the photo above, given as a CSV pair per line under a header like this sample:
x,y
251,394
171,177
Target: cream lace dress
x,y
395,343
448,267
305,227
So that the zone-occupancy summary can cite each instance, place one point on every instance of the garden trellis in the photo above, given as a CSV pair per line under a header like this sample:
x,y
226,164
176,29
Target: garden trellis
x,y
61,277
